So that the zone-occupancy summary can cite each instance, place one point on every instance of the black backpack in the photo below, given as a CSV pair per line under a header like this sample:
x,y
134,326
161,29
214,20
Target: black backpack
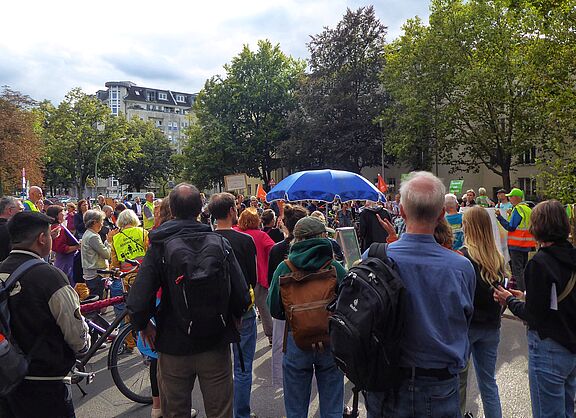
x,y
367,322
13,362
199,282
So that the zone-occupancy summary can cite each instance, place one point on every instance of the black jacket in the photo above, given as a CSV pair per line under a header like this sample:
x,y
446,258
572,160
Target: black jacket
x,y
370,229
554,264
152,275
45,317
486,309
5,245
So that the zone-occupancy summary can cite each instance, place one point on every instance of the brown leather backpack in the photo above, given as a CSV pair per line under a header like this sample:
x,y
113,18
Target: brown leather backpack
x,y
305,296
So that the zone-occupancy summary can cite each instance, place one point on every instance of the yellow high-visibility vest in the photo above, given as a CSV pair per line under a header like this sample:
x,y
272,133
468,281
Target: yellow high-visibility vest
x,y
148,222
129,244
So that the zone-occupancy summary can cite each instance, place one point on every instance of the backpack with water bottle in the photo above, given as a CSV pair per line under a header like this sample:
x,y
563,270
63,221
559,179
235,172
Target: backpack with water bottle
x,y
13,362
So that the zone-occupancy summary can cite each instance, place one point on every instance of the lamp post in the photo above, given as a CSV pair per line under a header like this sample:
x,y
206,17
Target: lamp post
x,y
96,164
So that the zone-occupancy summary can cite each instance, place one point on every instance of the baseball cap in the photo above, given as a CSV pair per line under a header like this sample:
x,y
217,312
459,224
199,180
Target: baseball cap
x,y
309,227
516,192
501,191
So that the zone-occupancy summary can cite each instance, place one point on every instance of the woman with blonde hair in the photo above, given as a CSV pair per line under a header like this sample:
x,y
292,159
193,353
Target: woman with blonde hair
x,y
249,223
484,333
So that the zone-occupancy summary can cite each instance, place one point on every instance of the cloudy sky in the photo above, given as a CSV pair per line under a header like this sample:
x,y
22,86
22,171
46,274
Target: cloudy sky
x,y
49,47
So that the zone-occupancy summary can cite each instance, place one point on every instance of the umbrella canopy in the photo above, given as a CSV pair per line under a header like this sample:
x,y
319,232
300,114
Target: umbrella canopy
x,y
324,185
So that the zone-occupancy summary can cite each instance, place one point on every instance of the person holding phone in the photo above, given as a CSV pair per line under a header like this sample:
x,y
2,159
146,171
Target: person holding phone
x,y
484,333
550,311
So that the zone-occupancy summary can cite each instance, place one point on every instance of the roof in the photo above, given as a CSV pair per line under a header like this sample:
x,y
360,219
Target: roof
x,y
141,94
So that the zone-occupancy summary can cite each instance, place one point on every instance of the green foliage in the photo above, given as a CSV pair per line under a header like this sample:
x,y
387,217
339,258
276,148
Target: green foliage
x,y
333,125
472,84
241,119
20,145
152,162
74,132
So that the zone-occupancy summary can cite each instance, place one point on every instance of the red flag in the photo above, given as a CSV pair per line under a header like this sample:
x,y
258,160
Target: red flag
x,y
382,186
261,193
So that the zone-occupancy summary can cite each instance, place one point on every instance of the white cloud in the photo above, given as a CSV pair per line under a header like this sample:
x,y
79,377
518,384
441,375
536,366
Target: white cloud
x,y
47,48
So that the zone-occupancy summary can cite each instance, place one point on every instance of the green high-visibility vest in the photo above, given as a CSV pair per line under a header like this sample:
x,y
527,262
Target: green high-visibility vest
x,y
129,244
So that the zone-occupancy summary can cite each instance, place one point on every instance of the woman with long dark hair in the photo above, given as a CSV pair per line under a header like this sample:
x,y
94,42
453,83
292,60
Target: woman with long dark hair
x,y
550,310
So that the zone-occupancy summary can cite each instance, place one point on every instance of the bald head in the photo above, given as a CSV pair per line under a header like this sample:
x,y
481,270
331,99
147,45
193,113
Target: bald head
x,y
422,198
35,193
185,201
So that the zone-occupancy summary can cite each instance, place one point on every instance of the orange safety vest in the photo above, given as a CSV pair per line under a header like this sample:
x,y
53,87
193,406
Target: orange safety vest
x,y
522,237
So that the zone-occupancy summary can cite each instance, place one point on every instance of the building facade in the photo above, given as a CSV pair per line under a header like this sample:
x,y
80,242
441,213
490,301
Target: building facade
x,y
170,111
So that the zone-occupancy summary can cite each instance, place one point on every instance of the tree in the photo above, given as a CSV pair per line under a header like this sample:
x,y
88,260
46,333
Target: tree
x,y
241,119
20,145
476,52
153,161
75,131
334,124
414,130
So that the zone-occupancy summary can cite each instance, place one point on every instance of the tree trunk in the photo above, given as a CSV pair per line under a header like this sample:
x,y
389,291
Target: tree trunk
x,y
506,178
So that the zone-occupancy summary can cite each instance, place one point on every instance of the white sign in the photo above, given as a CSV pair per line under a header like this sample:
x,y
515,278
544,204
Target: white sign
x,y
235,182
500,234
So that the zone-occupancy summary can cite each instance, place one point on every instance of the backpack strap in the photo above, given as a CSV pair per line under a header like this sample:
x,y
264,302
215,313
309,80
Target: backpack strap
x,y
568,289
378,250
16,274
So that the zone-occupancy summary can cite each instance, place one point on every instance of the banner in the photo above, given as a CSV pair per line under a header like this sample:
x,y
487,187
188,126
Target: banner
x,y
500,234
456,186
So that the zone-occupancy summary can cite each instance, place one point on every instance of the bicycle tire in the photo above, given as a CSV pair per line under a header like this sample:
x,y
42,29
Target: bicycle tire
x,y
130,369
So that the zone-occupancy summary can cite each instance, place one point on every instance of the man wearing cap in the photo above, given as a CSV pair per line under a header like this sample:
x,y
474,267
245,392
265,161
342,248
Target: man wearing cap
x,y
503,203
311,251
520,240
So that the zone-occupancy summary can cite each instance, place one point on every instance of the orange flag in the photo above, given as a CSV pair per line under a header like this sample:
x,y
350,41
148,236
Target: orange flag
x,y
382,186
261,193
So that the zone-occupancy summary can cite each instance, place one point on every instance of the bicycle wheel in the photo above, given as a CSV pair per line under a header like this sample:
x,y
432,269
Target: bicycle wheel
x,y
129,368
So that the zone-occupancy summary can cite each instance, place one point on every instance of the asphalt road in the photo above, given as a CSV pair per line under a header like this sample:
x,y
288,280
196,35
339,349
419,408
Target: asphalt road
x,y
104,399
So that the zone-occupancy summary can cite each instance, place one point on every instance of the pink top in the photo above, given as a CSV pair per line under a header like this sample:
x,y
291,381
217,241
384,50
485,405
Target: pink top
x,y
263,244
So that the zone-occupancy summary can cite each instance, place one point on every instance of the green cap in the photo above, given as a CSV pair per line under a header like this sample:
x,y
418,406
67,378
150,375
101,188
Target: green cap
x,y
309,226
516,192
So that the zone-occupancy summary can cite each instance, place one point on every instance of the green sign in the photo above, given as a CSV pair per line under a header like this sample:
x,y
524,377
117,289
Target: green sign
x,y
456,186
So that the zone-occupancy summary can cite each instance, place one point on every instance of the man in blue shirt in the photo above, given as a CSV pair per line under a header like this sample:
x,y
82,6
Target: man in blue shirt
x,y
440,292
454,219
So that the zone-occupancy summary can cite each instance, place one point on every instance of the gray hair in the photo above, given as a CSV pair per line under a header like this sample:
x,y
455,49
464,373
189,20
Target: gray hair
x,y
92,217
451,201
6,203
127,218
422,197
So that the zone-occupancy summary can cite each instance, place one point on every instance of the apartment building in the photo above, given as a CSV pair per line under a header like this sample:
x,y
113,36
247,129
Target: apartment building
x,y
169,110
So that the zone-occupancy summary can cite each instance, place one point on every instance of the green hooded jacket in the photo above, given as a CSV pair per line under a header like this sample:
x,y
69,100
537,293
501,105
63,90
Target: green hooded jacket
x,y
308,255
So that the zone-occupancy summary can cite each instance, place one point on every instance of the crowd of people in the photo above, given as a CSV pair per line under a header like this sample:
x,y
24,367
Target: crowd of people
x,y
457,282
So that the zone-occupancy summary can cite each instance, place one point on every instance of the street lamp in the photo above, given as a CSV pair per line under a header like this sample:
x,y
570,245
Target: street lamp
x,y
96,165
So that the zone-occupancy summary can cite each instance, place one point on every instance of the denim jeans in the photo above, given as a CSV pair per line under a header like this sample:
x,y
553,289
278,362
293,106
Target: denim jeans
x,y
421,397
484,345
298,368
552,375
243,379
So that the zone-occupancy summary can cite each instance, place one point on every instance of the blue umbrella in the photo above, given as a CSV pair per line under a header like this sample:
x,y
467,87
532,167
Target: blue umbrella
x,y
324,185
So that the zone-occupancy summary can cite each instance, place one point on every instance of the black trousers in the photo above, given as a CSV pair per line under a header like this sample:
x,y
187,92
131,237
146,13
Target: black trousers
x,y
518,261
46,399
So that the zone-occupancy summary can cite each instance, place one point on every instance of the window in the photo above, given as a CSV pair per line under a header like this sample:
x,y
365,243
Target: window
x,y
151,96
115,100
158,122
180,98
114,94
528,156
162,96
528,185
